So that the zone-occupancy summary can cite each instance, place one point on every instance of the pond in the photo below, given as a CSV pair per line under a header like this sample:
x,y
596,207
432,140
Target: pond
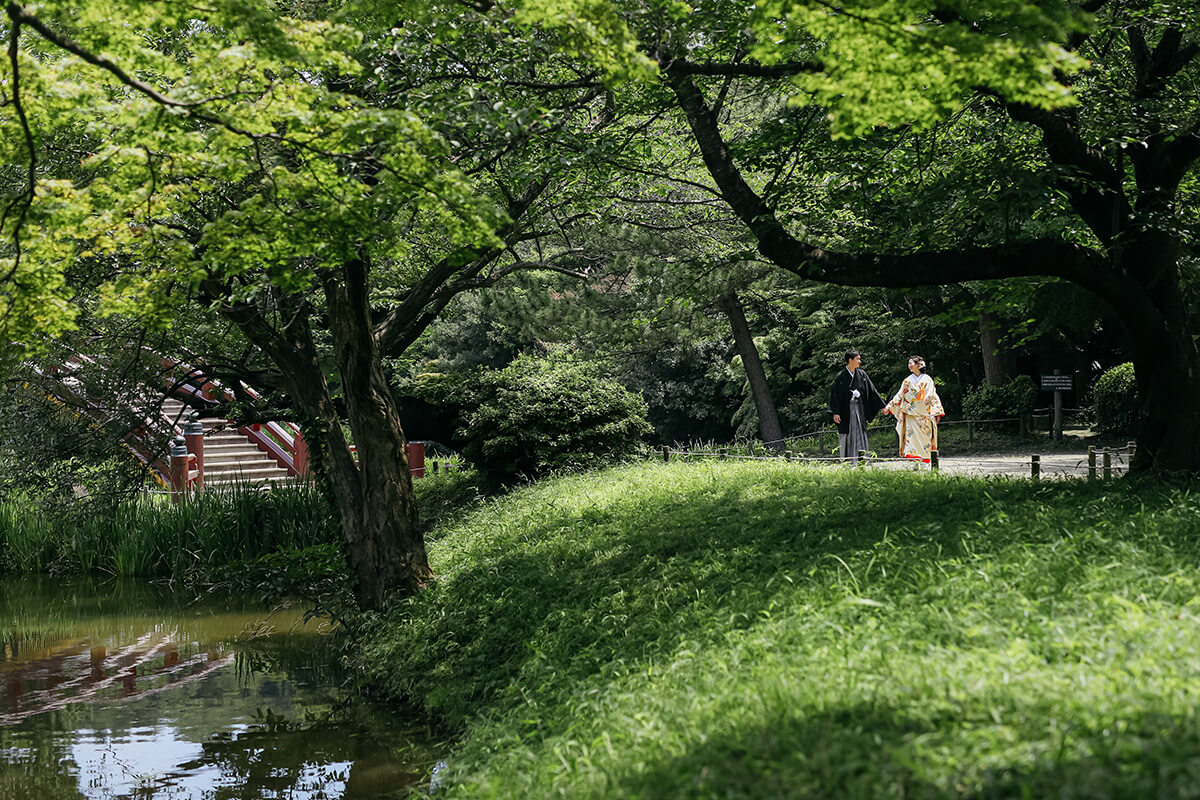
x,y
117,689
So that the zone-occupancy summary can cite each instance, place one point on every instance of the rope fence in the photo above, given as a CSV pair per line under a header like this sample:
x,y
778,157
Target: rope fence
x,y
1100,463
1027,426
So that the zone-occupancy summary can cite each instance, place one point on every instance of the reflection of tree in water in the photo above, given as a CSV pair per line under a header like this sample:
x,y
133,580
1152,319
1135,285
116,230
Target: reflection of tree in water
x,y
332,758
309,661
335,737
26,784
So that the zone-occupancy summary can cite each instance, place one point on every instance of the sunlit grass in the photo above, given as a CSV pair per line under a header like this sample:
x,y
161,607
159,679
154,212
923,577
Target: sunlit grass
x,y
754,630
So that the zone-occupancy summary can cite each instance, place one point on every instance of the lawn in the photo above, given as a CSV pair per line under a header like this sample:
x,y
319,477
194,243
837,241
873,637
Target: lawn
x,y
750,630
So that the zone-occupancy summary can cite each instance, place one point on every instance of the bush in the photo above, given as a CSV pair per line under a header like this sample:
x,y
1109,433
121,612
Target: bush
x,y
536,416
998,402
1117,402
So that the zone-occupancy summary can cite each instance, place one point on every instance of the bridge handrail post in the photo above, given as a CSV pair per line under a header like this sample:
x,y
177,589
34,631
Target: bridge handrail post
x,y
193,434
179,468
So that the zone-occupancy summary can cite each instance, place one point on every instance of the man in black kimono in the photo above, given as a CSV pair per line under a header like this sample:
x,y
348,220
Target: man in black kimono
x,y
854,402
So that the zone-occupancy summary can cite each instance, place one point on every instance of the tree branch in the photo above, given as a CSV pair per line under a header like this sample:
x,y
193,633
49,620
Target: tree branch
x,y
1043,257
25,199
1097,185
1181,154
20,16
748,69
390,332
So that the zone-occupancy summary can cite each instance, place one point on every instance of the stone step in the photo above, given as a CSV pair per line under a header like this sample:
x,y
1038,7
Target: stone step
x,y
238,459
235,471
242,446
225,440
230,457
224,480
242,457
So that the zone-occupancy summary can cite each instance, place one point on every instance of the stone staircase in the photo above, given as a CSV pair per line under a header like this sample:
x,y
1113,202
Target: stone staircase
x,y
229,457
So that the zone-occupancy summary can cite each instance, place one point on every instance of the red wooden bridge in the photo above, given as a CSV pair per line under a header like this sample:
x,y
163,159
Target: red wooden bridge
x,y
203,451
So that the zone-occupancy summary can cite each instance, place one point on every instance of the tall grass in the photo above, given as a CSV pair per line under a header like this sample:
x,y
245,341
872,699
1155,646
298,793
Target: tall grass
x,y
750,630
150,535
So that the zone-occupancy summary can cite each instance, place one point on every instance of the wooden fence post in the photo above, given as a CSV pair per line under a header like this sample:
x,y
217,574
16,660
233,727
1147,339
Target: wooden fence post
x,y
666,451
1056,421
1035,466
300,455
1107,463
193,434
933,460
1091,462
862,458
787,455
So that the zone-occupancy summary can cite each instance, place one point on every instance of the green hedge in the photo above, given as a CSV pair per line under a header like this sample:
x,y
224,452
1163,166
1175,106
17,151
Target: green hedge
x,y
998,402
538,416
1117,400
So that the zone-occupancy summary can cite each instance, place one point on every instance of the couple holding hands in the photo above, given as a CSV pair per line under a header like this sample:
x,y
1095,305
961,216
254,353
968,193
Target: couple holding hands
x,y
854,401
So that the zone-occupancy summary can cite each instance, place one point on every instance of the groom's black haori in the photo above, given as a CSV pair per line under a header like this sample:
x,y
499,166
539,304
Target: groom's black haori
x,y
856,401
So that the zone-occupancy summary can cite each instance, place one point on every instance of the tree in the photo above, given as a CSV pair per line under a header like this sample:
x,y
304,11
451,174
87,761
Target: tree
x,y
1103,86
274,169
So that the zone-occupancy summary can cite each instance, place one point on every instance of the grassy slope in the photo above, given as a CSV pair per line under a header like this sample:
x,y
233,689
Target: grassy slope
x,y
771,630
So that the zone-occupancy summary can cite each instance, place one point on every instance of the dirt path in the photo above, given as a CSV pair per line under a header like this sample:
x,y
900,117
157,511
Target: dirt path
x,y
1052,464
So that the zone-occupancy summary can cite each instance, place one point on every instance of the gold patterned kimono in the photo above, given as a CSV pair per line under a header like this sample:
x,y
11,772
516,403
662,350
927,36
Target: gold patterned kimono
x,y
917,409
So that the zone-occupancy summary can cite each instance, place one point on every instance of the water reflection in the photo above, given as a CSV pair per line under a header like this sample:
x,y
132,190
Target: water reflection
x,y
116,690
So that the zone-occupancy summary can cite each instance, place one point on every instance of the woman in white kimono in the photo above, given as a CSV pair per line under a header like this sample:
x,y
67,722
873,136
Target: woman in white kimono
x,y
917,409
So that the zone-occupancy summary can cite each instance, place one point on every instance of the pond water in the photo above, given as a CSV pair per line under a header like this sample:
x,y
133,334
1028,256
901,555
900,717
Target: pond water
x,y
119,690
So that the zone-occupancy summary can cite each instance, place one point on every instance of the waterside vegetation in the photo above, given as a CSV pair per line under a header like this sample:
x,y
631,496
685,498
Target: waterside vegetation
x,y
148,535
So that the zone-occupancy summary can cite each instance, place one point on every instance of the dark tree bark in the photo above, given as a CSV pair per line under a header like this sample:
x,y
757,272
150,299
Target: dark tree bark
x,y
1135,270
996,363
385,550
768,417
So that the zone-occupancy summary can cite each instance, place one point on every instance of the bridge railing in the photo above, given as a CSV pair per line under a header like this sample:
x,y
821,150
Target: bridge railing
x,y
282,441
64,387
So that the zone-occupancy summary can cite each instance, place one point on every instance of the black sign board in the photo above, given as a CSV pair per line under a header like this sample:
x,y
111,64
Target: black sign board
x,y
1056,383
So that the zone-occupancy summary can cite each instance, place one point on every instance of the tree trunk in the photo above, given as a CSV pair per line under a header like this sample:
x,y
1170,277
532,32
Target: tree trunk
x,y
385,550
768,418
1166,360
996,370
1168,377
384,546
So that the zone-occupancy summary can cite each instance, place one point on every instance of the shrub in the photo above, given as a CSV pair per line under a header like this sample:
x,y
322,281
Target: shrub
x,y
1116,397
536,416
997,402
